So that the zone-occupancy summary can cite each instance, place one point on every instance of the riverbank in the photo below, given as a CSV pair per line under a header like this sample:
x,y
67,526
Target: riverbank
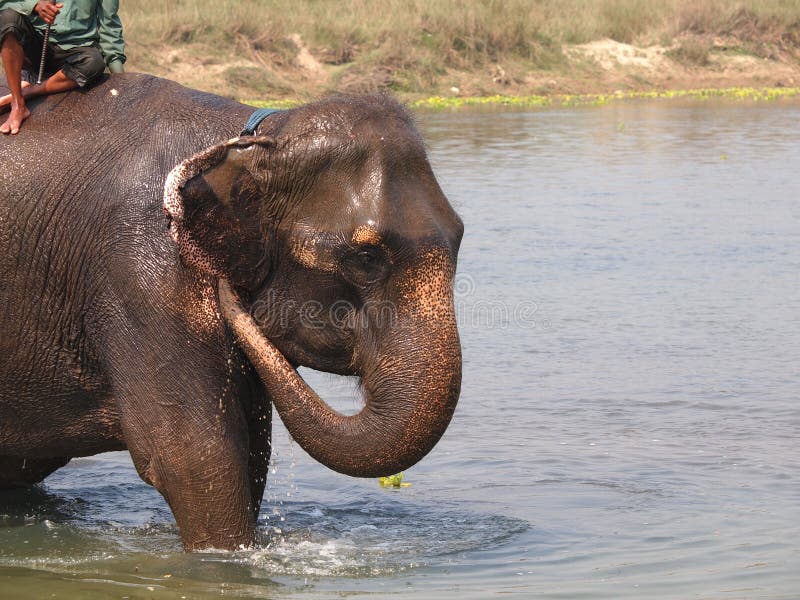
x,y
451,52
556,100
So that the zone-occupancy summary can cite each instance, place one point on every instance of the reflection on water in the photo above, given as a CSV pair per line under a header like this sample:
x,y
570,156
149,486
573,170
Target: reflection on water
x,y
629,312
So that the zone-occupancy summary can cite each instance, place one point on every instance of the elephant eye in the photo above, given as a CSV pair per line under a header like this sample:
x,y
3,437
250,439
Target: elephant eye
x,y
367,259
366,265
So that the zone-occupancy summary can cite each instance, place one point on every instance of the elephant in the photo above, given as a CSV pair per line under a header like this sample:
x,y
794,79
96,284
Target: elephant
x,y
163,278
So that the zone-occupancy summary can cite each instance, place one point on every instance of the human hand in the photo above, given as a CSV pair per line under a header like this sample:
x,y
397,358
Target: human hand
x,y
48,10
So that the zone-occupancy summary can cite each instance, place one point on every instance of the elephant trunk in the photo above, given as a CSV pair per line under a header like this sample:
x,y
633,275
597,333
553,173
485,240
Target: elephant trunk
x,y
409,399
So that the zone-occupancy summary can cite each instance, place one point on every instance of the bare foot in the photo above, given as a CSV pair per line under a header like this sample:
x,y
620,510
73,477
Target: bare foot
x,y
5,101
15,119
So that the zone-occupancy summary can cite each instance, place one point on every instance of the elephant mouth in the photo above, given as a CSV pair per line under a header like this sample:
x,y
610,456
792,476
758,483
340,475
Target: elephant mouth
x,y
331,361
409,399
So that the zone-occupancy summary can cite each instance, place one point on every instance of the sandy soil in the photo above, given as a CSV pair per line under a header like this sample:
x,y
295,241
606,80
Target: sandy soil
x,y
619,64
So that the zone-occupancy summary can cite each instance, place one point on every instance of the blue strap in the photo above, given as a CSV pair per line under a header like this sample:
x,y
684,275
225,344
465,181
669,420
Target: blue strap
x,y
255,120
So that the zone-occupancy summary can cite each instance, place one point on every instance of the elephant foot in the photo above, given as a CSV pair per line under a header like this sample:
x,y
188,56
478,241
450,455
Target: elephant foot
x,y
16,472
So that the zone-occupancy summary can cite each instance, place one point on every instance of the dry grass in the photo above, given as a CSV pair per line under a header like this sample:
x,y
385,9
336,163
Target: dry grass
x,y
412,45
691,52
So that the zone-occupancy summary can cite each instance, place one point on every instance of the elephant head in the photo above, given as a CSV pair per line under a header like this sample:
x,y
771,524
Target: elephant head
x,y
335,234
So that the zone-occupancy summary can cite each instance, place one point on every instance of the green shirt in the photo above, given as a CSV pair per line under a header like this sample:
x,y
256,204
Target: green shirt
x,y
80,23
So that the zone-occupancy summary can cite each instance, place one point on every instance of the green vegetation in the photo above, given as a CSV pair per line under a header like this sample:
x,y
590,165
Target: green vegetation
x,y
393,481
303,48
445,103
751,94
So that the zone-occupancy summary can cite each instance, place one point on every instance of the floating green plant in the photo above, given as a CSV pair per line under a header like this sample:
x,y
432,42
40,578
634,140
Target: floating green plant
x,y
279,104
750,94
535,101
393,481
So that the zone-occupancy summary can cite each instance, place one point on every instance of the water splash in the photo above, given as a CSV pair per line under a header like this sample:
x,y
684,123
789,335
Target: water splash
x,y
374,537
281,487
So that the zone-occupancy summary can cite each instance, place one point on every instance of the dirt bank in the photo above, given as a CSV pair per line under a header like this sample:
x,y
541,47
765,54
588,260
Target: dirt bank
x,y
599,67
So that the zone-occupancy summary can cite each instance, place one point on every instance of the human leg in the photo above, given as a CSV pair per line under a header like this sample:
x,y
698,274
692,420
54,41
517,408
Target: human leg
x,y
18,41
82,65
76,67
13,57
79,66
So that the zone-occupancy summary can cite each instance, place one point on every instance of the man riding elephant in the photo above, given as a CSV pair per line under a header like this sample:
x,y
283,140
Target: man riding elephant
x,y
86,36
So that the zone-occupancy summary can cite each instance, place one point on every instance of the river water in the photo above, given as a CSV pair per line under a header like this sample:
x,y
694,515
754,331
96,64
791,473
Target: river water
x,y
629,303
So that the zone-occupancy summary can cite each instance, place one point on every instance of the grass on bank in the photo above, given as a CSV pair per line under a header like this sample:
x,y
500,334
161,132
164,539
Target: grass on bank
x,y
411,45
538,101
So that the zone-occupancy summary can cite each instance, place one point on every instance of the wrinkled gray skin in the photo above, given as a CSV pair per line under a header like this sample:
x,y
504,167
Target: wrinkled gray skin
x,y
127,328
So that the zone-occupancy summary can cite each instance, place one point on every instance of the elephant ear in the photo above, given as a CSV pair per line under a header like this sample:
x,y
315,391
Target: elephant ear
x,y
212,203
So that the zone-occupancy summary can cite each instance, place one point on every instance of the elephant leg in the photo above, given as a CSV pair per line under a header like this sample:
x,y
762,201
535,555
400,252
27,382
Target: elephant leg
x,y
201,468
260,447
187,427
18,472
